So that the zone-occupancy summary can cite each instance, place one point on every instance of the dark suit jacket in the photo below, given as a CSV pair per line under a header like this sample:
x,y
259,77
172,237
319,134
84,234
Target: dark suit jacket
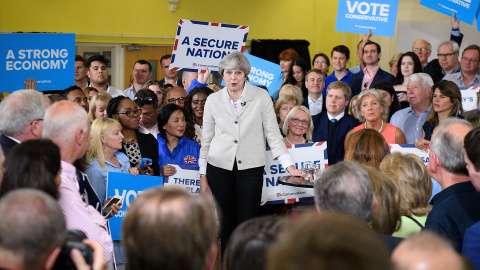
x,y
149,149
7,144
434,69
356,80
320,134
324,107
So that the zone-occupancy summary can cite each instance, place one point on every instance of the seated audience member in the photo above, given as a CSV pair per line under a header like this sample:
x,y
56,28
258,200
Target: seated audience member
x,y
135,145
159,90
446,101
21,117
250,242
352,107
142,72
98,106
327,241
415,187
291,90
298,126
67,125
147,101
340,59
173,147
89,92
177,96
333,124
469,64
284,104
455,207
103,154
185,231
32,164
447,62
391,98
410,120
372,108
475,112
386,218
393,64
296,75
98,74
194,108
372,72
286,58
408,64
321,62
314,82
366,146
427,250
75,94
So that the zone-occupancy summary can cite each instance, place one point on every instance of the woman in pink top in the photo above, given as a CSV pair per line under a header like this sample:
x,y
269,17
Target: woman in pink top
x,y
371,107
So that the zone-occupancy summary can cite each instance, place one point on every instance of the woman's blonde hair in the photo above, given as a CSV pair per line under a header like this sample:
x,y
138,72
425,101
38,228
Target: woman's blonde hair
x,y
100,127
414,184
378,96
99,98
366,146
283,99
291,114
296,92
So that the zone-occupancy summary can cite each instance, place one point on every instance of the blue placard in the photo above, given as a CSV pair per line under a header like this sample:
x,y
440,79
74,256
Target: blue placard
x,y
358,16
465,9
129,187
478,18
48,58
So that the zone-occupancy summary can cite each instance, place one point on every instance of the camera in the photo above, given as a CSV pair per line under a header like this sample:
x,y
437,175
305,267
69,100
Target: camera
x,y
73,240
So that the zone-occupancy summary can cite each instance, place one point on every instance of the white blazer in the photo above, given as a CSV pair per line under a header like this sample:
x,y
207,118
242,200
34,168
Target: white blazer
x,y
227,136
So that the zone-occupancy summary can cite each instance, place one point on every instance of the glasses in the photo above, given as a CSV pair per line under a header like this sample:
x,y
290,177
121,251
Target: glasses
x,y
298,122
420,49
132,113
440,55
320,63
181,100
469,60
143,99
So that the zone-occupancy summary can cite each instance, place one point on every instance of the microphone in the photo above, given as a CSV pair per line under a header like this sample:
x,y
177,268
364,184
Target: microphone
x,y
243,103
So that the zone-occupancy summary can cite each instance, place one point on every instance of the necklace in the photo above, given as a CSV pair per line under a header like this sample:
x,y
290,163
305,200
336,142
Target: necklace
x,y
365,125
293,143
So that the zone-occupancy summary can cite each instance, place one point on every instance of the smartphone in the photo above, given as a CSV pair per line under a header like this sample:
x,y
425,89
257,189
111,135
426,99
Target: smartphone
x,y
108,207
144,162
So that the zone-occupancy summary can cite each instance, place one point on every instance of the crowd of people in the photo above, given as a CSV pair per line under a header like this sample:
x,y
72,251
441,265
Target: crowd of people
x,y
372,209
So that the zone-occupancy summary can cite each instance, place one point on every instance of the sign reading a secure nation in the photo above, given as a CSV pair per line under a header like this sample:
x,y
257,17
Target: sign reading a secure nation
x,y
203,44
357,16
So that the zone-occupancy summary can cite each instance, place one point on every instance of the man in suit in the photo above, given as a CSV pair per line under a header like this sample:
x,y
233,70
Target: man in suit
x,y
372,72
314,82
21,117
170,75
333,124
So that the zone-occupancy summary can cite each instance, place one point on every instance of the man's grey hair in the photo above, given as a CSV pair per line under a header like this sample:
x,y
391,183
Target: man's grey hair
x,y
449,147
32,225
422,78
428,43
455,47
62,120
19,109
345,188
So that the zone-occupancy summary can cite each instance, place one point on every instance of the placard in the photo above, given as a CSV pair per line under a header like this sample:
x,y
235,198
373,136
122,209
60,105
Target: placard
x,y
203,44
469,97
48,58
187,177
411,149
465,10
357,16
129,187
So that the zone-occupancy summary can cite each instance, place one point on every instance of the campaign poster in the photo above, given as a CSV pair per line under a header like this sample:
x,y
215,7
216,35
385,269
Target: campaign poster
x,y
187,177
129,187
203,44
469,97
411,149
274,192
465,10
379,16
48,58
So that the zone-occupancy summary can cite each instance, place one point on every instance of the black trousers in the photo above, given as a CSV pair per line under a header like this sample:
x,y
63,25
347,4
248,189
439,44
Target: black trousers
x,y
238,193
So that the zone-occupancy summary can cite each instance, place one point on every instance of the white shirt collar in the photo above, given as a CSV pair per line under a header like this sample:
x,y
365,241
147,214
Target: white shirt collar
x,y
338,117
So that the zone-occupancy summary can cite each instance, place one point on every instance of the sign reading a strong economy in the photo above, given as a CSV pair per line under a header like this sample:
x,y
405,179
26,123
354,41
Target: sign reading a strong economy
x,y
465,9
203,44
359,16
48,58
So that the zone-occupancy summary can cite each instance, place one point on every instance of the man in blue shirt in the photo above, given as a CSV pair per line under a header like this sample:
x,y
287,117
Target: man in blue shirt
x,y
340,59
410,120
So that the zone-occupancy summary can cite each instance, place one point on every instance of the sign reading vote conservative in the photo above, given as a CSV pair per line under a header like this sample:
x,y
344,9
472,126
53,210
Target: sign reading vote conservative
x,y
129,187
465,9
203,44
357,16
48,58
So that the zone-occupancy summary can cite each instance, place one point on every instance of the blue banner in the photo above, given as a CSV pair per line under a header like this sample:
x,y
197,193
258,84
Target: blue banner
x,y
48,58
465,9
129,187
358,16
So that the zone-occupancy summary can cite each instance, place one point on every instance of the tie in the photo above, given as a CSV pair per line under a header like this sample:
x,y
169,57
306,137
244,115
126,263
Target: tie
x,y
334,120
